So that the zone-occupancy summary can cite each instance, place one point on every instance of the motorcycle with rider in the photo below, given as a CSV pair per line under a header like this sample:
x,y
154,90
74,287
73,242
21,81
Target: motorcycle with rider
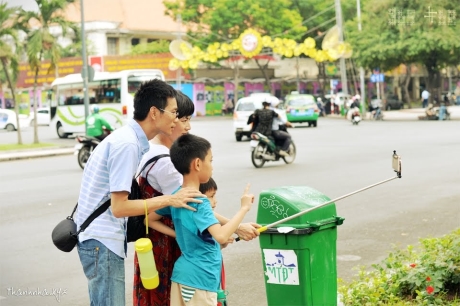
x,y
270,140
97,128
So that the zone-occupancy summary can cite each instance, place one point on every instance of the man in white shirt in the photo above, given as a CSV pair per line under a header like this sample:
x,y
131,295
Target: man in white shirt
x,y
425,96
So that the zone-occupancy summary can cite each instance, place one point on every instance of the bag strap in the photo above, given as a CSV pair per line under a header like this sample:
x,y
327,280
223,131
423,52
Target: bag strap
x,y
93,216
107,203
153,159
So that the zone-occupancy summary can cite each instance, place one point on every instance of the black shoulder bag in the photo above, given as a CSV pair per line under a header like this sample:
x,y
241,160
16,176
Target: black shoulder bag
x,y
65,234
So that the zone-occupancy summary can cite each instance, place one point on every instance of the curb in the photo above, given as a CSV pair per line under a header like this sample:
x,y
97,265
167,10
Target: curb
x,y
17,155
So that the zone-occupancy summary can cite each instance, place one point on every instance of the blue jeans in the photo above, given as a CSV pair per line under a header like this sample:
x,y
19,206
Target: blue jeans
x,y
105,272
425,103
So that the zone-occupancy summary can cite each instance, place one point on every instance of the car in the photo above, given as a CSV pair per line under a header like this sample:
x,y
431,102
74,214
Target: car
x,y
245,107
43,116
8,120
301,108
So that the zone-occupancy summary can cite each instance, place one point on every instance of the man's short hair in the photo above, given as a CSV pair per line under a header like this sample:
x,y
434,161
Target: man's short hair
x,y
151,93
185,149
209,186
185,105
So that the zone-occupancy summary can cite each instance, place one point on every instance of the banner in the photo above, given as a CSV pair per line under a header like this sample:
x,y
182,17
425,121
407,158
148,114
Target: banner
x,y
199,99
253,88
214,99
66,66
109,63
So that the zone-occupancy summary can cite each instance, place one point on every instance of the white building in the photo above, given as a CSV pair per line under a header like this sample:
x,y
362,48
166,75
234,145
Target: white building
x,y
114,26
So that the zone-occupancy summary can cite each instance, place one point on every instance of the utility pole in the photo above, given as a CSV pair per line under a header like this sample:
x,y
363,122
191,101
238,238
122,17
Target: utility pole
x,y
85,63
361,69
179,37
343,71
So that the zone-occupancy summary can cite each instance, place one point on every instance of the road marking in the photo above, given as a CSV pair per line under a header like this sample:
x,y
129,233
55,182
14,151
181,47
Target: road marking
x,y
348,258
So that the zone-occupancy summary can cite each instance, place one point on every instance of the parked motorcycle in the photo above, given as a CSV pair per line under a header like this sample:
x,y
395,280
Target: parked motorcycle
x,y
264,149
84,148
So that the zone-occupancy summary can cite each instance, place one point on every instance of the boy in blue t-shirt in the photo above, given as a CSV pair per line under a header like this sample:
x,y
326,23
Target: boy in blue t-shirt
x,y
196,274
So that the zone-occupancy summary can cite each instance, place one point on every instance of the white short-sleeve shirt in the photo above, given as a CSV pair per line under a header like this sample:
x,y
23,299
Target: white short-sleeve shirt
x,y
163,177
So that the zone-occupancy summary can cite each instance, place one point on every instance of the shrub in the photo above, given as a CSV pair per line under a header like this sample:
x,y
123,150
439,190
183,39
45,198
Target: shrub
x,y
427,276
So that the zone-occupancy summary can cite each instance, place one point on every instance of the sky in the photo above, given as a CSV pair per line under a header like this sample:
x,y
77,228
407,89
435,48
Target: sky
x,y
28,5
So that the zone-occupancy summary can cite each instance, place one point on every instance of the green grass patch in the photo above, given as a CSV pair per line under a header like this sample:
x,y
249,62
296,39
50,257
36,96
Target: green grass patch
x,y
15,146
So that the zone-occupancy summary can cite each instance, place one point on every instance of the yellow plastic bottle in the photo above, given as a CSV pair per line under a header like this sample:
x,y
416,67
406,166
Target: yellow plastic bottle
x,y
149,273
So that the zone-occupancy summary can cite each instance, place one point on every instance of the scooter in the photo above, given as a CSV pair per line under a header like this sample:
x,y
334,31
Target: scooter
x,y
84,148
355,116
265,149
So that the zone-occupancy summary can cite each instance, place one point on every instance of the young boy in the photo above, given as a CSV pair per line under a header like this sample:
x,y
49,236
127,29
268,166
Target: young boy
x,y
209,189
196,275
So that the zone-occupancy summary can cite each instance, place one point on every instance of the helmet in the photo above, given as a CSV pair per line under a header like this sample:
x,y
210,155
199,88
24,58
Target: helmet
x,y
95,109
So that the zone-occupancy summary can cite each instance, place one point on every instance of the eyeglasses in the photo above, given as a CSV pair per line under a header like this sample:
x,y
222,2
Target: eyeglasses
x,y
176,113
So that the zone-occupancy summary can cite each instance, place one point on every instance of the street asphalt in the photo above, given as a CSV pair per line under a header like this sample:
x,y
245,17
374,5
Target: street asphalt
x,y
399,115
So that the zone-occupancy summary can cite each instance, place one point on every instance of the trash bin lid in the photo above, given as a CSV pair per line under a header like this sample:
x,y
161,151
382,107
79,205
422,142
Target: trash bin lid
x,y
281,202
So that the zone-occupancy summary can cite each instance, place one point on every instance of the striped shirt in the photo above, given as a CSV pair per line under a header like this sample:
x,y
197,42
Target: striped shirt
x,y
110,168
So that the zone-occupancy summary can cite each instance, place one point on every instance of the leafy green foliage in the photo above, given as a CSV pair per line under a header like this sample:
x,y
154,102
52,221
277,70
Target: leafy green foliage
x,y
9,53
40,42
9,49
414,39
430,276
225,20
160,46
319,15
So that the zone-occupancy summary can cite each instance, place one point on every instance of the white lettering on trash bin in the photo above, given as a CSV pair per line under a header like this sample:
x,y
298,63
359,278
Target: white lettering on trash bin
x,y
276,208
281,267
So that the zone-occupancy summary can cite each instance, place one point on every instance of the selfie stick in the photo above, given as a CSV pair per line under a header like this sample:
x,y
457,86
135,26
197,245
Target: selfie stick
x,y
398,175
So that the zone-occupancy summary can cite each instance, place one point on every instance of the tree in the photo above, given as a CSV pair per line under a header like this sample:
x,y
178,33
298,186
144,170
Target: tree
x,y
225,20
319,16
40,42
408,32
8,56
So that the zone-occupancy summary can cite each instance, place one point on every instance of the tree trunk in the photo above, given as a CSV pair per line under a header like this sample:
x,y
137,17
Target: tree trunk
x,y
434,78
321,77
16,106
264,72
406,85
35,106
236,83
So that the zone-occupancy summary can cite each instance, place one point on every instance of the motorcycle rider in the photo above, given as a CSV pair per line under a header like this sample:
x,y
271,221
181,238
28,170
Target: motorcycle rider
x,y
96,125
354,109
267,126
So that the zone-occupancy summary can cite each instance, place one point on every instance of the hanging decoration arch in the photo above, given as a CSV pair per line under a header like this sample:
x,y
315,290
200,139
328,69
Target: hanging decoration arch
x,y
249,44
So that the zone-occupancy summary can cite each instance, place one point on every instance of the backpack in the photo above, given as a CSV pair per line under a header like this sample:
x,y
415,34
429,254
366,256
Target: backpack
x,y
135,228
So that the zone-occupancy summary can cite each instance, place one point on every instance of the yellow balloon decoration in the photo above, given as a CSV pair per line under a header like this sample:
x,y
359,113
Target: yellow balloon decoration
x,y
309,43
250,44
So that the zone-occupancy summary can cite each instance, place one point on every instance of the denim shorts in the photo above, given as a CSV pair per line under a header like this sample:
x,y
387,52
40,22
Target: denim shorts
x,y
105,272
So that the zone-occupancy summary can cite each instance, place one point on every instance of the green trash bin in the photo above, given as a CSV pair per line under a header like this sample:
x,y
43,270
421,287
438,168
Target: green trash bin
x,y
300,266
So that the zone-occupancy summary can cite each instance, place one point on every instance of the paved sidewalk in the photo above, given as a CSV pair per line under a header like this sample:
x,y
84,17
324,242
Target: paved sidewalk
x,y
25,154
410,114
